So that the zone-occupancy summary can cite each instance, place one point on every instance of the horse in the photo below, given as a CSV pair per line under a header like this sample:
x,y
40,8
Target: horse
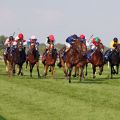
x,y
9,61
19,57
75,57
96,59
49,59
113,57
33,58
15,56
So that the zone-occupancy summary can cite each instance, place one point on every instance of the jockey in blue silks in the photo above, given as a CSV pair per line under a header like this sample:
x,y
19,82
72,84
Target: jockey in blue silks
x,y
68,44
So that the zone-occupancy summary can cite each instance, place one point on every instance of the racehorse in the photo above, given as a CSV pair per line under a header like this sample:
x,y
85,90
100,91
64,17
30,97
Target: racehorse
x,y
9,61
113,57
19,57
49,59
96,59
33,58
15,56
75,56
83,61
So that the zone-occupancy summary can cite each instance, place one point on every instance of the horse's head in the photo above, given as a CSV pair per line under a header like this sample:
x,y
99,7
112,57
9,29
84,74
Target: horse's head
x,y
32,45
77,45
20,45
100,47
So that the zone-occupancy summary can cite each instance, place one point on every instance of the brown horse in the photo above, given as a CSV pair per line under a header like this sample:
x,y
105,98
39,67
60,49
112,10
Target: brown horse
x,y
15,56
9,61
32,59
75,57
49,59
97,59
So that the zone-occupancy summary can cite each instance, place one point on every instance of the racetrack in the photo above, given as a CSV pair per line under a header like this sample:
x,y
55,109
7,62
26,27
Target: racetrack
x,y
23,98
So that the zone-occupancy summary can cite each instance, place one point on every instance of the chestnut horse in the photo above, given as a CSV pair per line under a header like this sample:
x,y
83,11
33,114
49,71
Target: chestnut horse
x,y
49,59
75,57
97,59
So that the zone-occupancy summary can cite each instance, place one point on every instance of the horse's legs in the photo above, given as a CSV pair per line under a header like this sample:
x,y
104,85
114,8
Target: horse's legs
x,y
76,71
13,68
10,68
26,64
82,73
46,68
31,68
69,74
100,70
6,63
86,69
117,66
37,65
111,66
94,70
52,68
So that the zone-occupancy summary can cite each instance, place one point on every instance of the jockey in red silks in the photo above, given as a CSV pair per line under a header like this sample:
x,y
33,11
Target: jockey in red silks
x,y
20,38
49,43
9,44
93,45
95,42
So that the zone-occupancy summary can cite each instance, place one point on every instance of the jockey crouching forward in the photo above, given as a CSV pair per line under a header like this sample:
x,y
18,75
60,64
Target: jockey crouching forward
x,y
9,44
34,45
49,43
113,46
69,41
93,46
20,43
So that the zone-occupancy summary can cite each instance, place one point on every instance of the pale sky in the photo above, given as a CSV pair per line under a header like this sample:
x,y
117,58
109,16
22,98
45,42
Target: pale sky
x,y
61,18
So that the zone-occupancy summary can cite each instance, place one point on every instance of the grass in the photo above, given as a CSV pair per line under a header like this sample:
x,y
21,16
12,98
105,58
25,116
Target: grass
x,y
23,98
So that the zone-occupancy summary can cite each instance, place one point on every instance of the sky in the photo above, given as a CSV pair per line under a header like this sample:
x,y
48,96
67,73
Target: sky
x,y
61,18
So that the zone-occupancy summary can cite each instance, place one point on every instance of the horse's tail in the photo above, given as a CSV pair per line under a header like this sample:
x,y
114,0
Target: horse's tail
x,y
59,64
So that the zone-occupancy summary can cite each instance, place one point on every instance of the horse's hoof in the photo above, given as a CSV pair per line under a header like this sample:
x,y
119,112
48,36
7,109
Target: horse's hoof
x,y
22,74
74,75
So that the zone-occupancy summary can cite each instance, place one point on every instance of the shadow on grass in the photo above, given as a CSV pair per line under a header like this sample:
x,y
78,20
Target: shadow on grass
x,y
2,118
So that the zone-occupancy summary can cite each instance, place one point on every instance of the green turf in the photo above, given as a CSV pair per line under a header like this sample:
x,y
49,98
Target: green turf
x,y
23,98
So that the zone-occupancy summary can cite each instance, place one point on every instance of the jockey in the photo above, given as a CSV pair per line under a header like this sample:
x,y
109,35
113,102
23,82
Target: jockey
x,y
113,46
83,39
8,43
49,43
34,42
20,38
69,41
114,43
94,43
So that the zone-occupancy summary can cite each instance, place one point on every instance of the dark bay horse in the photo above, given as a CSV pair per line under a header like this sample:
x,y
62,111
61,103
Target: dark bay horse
x,y
15,56
33,58
75,56
97,59
20,57
113,57
49,59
